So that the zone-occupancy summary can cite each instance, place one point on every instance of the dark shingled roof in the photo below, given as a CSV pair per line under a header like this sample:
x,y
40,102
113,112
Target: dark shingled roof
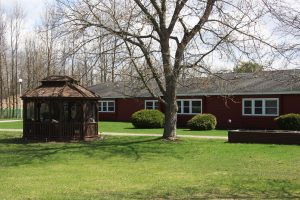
x,y
60,87
266,82
57,78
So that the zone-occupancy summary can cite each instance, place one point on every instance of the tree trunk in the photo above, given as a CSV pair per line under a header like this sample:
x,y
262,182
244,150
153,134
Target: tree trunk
x,y
16,75
113,61
170,110
91,78
7,84
1,85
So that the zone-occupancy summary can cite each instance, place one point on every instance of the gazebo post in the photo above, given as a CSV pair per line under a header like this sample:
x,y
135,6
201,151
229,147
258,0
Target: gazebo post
x,y
35,110
84,119
61,118
97,115
96,111
61,108
24,119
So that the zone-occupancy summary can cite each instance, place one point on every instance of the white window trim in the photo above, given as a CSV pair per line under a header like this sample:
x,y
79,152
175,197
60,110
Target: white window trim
x,y
263,106
101,105
153,104
190,106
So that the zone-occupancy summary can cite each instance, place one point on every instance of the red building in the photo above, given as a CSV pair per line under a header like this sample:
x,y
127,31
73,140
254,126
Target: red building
x,y
238,100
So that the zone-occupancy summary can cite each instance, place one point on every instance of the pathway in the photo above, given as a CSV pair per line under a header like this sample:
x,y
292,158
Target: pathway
x,y
142,135
11,130
15,120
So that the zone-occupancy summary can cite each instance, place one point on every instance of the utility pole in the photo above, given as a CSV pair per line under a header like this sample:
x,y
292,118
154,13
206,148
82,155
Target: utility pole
x,y
21,103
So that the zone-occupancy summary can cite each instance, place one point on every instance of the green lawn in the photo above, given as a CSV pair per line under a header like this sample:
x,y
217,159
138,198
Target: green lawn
x,y
11,125
147,168
10,119
126,127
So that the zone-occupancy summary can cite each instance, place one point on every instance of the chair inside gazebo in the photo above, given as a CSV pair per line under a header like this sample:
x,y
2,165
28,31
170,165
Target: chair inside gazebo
x,y
60,119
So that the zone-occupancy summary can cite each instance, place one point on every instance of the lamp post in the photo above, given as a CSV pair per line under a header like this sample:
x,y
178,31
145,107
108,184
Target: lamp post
x,y
21,104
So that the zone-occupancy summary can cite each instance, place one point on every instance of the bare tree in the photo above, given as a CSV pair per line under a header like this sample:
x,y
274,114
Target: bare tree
x,y
33,62
160,35
2,52
49,38
287,20
15,26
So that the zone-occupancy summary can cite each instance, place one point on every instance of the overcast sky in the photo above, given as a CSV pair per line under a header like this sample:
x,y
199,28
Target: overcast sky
x,y
33,10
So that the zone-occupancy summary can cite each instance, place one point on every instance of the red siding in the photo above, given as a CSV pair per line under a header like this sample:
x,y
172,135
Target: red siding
x,y
103,116
290,103
231,109
224,109
124,108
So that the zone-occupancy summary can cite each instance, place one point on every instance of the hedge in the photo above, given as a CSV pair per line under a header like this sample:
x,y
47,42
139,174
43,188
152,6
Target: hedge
x,y
202,122
148,119
288,122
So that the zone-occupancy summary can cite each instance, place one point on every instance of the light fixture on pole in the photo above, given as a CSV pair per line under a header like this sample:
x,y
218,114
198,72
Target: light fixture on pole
x,y
21,105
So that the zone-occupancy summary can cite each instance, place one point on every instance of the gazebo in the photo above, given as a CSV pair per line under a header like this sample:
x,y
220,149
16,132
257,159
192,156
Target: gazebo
x,y
60,109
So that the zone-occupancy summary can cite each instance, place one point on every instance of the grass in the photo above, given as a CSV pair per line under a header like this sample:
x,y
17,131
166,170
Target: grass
x,y
10,119
126,127
11,125
147,168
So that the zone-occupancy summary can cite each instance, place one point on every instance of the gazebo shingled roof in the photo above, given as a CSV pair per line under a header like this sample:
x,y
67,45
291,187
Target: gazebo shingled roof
x,y
60,87
59,78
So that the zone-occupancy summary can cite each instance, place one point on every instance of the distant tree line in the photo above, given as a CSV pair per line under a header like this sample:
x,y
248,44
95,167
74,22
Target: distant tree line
x,y
248,67
48,50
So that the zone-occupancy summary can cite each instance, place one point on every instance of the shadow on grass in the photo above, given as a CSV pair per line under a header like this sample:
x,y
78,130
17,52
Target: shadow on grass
x,y
13,141
16,151
234,190
275,189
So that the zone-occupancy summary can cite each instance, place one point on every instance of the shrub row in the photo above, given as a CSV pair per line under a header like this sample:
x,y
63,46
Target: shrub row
x,y
288,122
148,119
155,119
202,122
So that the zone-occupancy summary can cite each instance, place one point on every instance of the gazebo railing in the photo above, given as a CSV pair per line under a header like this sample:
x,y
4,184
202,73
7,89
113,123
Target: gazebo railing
x,y
59,131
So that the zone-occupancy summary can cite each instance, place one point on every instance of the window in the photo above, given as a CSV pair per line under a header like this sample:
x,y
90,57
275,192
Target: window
x,y
271,107
107,106
90,112
261,107
151,104
30,111
72,112
55,111
75,111
188,106
44,112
